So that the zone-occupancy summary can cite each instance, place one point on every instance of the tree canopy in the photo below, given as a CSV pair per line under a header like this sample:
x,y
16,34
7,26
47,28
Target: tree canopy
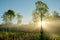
x,y
41,7
8,16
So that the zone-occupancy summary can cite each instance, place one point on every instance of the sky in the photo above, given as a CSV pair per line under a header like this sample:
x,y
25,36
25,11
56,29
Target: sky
x,y
26,7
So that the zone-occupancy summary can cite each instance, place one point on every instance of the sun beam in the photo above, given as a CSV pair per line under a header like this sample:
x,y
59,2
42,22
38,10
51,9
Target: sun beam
x,y
43,23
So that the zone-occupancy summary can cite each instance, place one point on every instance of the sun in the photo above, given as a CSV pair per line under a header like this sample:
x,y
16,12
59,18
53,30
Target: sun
x,y
43,23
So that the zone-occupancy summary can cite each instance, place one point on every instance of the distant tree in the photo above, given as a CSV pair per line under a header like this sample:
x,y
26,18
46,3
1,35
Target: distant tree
x,y
55,14
19,17
8,16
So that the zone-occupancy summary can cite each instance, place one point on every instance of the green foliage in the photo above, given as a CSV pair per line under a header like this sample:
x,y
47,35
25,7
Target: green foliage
x,y
8,16
35,17
19,36
26,36
41,7
40,11
40,4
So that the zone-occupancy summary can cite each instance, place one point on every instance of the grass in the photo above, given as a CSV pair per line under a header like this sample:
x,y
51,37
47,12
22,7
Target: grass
x,y
19,36
4,35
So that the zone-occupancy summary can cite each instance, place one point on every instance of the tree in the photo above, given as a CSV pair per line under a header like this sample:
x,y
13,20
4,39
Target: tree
x,y
19,17
56,14
41,8
8,16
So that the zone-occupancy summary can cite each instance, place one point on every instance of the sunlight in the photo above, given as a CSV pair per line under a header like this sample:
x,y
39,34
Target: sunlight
x,y
43,23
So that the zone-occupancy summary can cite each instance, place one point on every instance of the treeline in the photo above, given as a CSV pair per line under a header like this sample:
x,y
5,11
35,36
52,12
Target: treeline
x,y
41,10
9,15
